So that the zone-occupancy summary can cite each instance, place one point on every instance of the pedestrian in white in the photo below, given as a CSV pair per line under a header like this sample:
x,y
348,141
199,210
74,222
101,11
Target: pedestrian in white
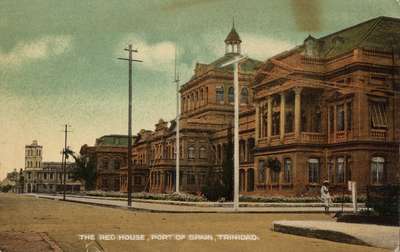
x,y
325,196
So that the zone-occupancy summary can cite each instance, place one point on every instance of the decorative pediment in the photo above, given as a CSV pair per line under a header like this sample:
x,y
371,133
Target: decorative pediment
x,y
273,72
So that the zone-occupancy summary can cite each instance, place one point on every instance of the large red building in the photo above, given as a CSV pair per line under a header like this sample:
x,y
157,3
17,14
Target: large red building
x,y
326,109
329,109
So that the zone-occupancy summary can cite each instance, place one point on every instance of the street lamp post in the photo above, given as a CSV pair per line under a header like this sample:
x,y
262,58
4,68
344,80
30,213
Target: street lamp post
x,y
177,148
235,63
130,60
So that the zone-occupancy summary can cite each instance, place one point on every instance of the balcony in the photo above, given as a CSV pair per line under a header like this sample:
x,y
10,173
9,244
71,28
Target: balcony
x,y
312,137
378,134
290,138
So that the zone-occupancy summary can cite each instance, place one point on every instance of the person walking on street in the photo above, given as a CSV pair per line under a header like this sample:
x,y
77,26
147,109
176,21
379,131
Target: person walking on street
x,y
325,196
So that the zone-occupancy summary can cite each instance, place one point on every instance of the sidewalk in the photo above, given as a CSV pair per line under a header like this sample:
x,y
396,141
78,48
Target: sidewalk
x,y
196,207
362,234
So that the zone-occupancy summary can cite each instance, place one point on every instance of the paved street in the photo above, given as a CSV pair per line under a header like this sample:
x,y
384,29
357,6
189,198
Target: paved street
x,y
194,207
65,221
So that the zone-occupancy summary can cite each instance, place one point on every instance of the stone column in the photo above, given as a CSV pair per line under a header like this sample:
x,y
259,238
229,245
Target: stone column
x,y
163,184
261,119
297,112
245,181
334,123
282,117
245,154
257,119
269,119
345,118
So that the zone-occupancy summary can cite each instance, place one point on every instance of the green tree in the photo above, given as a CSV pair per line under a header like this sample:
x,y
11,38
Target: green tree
x,y
84,169
227,167
220,185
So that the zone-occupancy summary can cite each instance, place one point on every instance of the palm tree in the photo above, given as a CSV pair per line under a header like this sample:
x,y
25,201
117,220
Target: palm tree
x,y
84,170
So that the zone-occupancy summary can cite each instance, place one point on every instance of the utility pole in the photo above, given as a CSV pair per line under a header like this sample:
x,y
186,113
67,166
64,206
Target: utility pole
x,y
64,159
235,61
130,60
177,178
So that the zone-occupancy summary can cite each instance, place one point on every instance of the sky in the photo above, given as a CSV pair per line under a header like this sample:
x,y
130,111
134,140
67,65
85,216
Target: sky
x,y
58,59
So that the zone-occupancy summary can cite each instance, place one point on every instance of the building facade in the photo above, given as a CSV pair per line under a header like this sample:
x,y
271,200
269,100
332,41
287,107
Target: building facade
x,y
46,177
327,109
206,106
109,153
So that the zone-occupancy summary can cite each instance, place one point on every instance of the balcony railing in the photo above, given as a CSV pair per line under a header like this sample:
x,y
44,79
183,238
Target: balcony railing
x,y
379,134
312,137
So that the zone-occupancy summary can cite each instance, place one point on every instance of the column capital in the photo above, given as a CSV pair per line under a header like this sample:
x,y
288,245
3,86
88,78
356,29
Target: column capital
x,y
297,90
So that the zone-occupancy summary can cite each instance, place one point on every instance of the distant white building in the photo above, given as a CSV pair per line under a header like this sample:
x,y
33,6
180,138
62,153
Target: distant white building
x,y
46,177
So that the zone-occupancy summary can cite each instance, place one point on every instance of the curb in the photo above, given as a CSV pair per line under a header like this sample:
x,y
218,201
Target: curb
x,y
187,211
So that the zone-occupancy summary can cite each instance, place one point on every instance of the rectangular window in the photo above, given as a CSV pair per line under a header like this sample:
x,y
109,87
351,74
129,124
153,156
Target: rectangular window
x,y
117,164
331,119
137,180
349,116
339,117
313,170
377,172
220,94
261,171
105,164
191,152
116,184
378,114
289,122
275,123
104,183
191,179
274,176
340,167
287,170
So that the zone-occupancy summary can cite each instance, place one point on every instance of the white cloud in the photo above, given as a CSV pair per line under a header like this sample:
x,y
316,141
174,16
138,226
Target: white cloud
x,y
43,48
158,56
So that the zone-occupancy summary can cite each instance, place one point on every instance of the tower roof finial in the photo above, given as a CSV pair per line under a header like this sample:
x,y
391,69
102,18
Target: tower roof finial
x,y
233,37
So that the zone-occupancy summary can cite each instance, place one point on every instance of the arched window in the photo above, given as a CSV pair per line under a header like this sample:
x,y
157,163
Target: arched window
x,y
203,152
201,94
191,152
377,172
219,94
287,170
231,95
244,96
313,170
